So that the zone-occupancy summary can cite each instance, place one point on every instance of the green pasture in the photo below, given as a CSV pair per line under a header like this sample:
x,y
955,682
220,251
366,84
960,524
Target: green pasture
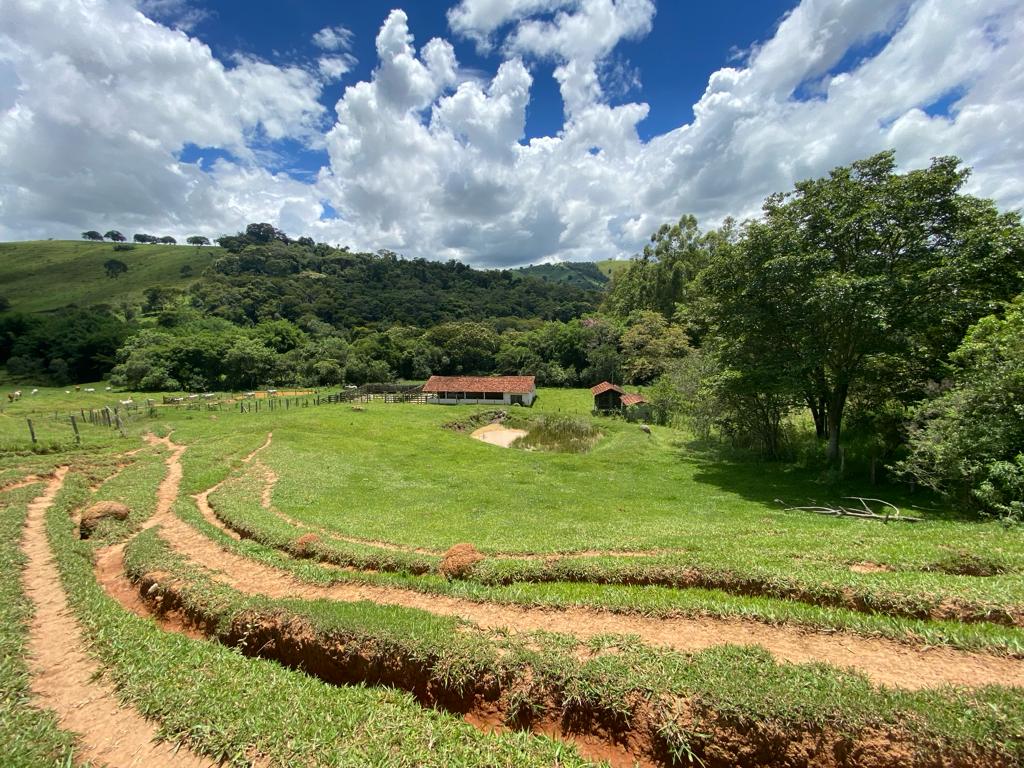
x,y
28,270
397,473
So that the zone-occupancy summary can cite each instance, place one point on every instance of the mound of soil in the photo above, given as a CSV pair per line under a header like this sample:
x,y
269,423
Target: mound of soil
x,y
304,544
458,562
102,510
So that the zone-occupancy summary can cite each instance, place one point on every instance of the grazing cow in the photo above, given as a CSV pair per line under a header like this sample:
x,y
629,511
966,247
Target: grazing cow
x,y
34,391
126,402
106,389
90,389
12,396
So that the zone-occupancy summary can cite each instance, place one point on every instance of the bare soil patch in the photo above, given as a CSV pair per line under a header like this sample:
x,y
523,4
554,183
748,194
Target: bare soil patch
x,y
497,434
65,679
867,567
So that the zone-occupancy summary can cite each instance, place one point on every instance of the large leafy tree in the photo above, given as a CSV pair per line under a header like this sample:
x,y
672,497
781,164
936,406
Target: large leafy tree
x,y
859,282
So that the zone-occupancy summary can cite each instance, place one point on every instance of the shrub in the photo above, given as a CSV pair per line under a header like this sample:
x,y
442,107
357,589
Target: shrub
x,y
563,434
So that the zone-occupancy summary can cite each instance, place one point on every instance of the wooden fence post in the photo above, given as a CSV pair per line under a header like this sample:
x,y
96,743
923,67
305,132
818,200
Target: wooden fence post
x,y
31,430
74,427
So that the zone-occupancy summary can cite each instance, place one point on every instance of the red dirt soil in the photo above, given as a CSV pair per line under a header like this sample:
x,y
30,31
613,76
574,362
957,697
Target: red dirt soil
x,y
24,482
64,678
884,662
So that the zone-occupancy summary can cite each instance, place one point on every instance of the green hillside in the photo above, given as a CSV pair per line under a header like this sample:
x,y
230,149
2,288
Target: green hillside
x,y
41,275
582,274
609,267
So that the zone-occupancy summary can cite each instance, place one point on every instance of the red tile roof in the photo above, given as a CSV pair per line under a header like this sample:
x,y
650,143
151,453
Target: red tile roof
x,y
515,385
604,386
628,400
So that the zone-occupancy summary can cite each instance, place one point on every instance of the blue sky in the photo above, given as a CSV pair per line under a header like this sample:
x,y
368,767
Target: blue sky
x,y
497,132
688,40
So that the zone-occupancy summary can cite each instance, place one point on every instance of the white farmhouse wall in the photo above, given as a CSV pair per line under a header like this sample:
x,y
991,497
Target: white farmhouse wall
x,y
506,400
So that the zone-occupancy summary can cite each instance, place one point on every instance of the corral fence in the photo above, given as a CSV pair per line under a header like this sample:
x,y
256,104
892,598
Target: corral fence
x,y
383,393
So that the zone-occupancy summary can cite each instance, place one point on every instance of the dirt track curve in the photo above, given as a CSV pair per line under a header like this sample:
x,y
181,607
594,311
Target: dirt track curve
x,y
64,678
885,662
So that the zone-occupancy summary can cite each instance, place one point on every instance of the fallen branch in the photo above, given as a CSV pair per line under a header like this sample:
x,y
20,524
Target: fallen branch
x,y
892,512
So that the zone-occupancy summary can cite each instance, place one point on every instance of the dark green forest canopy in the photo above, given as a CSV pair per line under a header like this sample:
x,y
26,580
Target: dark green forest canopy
x,y
293,280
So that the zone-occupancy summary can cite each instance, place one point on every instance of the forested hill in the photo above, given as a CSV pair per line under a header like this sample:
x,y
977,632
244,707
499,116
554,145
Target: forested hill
x,y
288,280
344,289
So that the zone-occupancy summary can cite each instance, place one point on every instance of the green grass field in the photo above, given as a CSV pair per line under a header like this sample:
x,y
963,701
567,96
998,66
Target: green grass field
x,y
609,267
647,525
27,272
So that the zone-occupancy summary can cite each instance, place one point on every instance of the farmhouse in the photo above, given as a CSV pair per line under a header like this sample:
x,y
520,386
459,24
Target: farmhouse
x,y
611,397
482,390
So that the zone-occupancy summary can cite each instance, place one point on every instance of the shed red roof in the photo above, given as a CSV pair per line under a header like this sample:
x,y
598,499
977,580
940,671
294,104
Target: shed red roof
x,y
514,385
604,386
628,400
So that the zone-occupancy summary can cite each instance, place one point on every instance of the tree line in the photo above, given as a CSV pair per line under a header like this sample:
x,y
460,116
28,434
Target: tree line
x,y
142,238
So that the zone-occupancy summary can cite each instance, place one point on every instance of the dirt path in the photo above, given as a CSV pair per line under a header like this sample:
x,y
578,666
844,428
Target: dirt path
x,y
885,662
22,483
64,677
167,491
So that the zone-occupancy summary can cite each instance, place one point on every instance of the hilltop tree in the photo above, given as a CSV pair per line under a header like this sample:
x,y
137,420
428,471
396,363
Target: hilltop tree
x,y
143,238
115,268
92,234
265,233
167,240
114,235
198,240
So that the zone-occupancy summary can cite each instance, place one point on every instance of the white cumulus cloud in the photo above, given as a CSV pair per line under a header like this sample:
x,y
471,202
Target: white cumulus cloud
x,y
97,102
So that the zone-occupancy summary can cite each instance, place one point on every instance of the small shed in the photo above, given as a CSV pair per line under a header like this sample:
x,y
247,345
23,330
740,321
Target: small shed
x,y
610,397
607,396
481,390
